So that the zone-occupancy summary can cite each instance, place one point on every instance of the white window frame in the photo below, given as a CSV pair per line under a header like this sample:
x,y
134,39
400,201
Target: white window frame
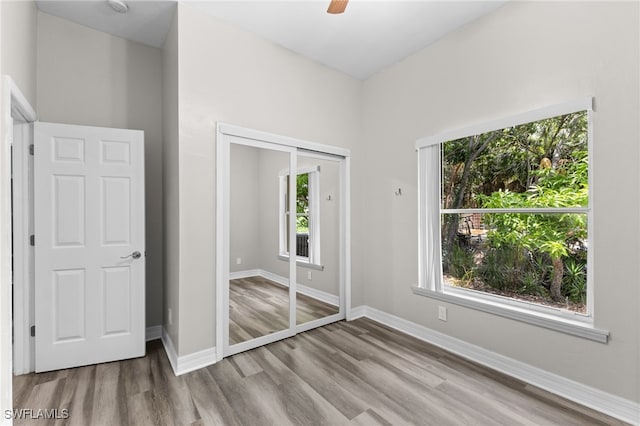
x,y
313,260
430,282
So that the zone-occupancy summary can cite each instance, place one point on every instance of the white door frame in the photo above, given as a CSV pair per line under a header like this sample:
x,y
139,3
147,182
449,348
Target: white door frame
x,y
23,260
22,225
14,104
225,133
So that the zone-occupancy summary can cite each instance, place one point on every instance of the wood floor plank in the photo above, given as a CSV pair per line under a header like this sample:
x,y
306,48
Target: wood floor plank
x,y
344,389
246,365
357,373
79,394
588,415
45,396
143,410
109,401
213,408
369,418
337,390
305,406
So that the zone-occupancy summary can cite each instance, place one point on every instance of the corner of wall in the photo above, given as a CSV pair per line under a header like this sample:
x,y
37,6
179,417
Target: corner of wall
x,y
170,153
19,41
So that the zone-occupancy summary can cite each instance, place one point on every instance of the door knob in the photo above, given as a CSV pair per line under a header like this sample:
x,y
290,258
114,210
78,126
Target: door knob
x,y
136,255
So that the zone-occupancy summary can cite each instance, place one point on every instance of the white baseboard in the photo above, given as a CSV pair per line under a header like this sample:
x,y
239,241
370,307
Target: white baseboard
x,y
320,295
323,296
196,360
244,274
153,333
612,405
273,277
186,363
358,312
170,350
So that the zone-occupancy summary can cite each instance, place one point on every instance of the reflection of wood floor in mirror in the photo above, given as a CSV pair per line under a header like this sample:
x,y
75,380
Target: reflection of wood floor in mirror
x,y
258,306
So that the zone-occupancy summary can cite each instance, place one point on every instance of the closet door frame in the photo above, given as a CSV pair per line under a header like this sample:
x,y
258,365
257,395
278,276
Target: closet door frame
x,y
226,134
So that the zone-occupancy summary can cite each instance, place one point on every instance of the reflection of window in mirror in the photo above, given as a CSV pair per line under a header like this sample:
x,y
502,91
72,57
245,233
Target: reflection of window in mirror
x,y
307,215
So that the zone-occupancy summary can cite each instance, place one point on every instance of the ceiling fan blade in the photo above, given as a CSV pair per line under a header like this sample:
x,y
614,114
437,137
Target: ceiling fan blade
x,y
337,6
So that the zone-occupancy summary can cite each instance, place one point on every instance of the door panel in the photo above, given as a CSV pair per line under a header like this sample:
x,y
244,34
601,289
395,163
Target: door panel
x,y
89,218
116,287
259,299
115,197
318,295
69,208
69,298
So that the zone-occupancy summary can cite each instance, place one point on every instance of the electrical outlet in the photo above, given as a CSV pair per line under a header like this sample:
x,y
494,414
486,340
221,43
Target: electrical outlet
x,y
309,275
238,261
442,313
169,314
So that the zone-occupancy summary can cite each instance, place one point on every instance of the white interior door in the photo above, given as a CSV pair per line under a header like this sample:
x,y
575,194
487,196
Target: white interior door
x,y
89,245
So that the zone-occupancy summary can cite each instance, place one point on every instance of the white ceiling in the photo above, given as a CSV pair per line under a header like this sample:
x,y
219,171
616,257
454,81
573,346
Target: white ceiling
x,y
146,22
369,36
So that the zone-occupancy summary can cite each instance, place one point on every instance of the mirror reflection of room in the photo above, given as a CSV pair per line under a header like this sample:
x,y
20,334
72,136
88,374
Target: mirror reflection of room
x,y
317,238
258,291
259,241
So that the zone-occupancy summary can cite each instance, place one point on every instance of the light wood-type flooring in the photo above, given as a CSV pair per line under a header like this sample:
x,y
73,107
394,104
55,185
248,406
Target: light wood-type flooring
x,y
346,373
258,306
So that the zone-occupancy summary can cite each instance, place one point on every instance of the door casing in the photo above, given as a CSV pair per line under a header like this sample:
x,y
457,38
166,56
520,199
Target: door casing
x,y
18,114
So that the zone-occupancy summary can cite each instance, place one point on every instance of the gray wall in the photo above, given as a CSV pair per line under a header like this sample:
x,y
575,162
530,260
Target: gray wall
x,y
245,208
248,82
170,180
91,78
19,29
523,56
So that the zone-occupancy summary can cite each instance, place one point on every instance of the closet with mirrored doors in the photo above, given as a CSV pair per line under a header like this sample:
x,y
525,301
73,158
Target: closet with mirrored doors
x,y
283,237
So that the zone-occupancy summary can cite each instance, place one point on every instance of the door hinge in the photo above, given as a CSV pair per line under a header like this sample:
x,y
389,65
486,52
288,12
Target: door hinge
x,y
33,331
32,240
31,149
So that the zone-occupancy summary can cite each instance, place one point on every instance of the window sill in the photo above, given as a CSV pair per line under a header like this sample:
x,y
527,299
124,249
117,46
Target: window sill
x,y
303,263
567,326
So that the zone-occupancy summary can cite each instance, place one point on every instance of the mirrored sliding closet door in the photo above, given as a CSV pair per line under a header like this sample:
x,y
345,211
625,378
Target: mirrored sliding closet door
x,y
282,247
318,205
260,303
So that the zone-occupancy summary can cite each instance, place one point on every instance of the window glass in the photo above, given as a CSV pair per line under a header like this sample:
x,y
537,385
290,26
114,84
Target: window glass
x,y
306,212
514,212
539,164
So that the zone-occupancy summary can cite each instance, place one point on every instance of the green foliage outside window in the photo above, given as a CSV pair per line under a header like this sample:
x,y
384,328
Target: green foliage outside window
x,y
535,165
302,204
